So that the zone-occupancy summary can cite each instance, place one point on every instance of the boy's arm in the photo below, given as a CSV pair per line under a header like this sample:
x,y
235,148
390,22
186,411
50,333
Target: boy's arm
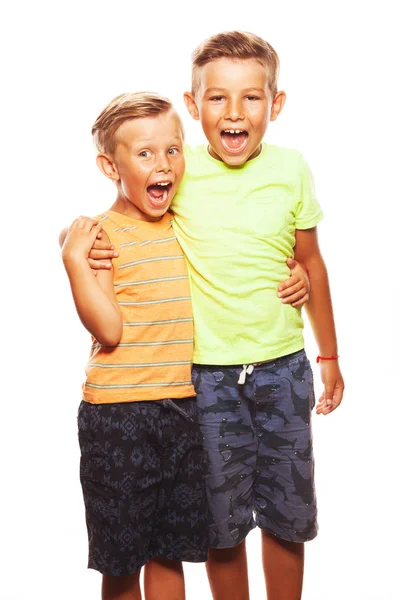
x,y
320,312
94,297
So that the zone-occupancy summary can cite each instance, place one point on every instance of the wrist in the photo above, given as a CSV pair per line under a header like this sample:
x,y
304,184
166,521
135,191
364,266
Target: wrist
x,y
73,260
327,357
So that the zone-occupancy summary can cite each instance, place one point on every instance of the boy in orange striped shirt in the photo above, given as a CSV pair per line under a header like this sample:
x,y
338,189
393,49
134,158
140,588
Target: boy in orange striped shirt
x,y
141,452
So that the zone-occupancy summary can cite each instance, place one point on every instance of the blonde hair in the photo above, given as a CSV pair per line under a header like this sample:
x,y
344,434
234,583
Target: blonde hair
x,y
126,107
235,45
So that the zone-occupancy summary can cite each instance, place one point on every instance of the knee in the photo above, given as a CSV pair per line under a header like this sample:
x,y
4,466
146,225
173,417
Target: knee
x,y
162,564
270,540
227,555
120,588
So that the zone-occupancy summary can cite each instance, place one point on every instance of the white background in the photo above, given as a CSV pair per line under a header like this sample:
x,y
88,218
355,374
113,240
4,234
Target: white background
x,y
61,64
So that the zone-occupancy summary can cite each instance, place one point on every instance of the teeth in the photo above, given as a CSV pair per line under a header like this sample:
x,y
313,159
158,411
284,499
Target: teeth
x,y
233,131
163,183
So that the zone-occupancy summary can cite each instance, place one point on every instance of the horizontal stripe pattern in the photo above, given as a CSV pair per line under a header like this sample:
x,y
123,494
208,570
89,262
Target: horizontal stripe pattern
x,y
150,323
160,301
153,359
122,386
139,365
139,344
128,244
147,281
149,260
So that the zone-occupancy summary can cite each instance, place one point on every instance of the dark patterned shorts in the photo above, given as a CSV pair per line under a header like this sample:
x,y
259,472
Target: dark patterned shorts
x,y
142,474
258,442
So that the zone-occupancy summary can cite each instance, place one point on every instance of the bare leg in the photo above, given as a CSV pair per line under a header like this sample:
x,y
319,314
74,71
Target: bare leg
x,y
121,588
283,564
227,573
163,580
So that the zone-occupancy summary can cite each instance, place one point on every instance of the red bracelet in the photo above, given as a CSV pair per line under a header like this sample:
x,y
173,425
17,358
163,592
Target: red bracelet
x,y
333,357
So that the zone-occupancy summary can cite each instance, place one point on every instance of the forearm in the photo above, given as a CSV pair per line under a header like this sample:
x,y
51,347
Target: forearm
x,y
320,312
100,316
319,307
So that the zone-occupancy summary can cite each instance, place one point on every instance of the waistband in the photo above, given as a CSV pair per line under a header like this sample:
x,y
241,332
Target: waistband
x,y
281,361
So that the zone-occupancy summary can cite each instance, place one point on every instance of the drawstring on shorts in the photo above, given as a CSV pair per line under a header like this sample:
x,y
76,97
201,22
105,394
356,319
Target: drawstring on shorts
x,y
247,370
168,403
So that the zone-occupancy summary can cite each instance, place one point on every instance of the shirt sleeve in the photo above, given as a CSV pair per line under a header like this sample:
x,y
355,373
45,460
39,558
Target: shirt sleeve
x,y
308,212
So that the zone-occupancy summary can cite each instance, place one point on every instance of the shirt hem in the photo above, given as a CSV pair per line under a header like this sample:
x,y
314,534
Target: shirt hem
x,y
112,398
248,357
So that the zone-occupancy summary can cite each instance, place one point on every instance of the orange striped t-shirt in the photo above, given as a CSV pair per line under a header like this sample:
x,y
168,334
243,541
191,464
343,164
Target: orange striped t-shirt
x,y
153,359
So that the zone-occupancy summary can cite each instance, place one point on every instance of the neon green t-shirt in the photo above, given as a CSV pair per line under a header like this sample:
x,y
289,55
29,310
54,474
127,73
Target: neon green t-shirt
x,y
236,226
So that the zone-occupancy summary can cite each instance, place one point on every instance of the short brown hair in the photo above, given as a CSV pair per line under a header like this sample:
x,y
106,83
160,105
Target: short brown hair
x,y
126,107
239,45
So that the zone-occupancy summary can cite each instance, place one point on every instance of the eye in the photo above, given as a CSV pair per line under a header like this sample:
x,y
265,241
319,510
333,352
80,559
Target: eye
x,y
173,151
251,97
144,153
216,98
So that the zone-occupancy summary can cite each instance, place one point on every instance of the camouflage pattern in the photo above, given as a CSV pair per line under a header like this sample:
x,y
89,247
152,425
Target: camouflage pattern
x,y
258,443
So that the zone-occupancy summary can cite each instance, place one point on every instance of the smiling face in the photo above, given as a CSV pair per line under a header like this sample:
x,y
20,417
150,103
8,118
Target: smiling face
x,y
234,104
147,164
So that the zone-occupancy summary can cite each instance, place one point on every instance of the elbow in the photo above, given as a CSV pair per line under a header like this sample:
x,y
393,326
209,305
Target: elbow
x,y
108,340
112,337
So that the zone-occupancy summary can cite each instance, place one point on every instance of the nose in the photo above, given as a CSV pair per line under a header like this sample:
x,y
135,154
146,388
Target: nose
x,y
234,110
163,163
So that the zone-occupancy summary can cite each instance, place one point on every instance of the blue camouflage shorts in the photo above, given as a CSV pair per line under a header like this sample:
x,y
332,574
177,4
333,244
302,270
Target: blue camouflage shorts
x,y
258,443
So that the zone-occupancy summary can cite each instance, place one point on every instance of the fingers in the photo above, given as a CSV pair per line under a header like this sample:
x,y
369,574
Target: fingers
x,y
95,230
338,394
298,297
322,407
302,300
328,395
321,404
298,280
85,223
291,263
99,264
290,286
296,294
331,398
102,254
100,244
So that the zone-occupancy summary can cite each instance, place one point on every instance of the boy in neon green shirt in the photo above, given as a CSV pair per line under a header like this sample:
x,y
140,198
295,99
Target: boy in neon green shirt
x,y
243,209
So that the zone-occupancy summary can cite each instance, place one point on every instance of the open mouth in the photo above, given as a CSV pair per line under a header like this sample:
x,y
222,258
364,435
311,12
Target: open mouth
x,y
158,193
234,140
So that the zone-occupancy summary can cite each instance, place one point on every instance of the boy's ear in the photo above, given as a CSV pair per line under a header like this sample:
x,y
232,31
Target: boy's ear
x,y
277,105
191,105
107,166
